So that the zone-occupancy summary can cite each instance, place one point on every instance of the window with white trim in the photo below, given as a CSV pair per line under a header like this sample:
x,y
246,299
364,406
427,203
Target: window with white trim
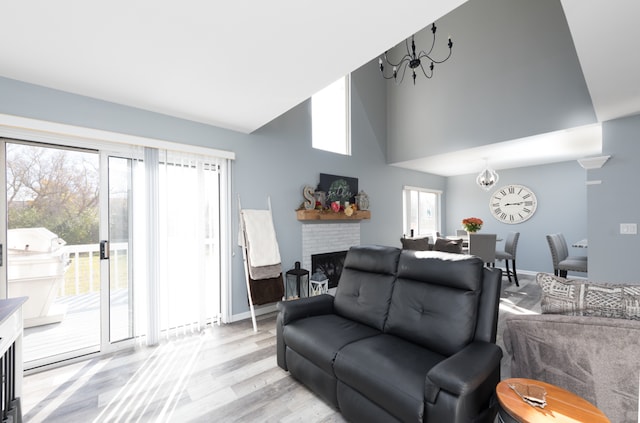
x,y
421,211
331,118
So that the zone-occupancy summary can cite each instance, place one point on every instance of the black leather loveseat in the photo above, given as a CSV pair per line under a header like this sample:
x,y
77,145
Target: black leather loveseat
x,y
409,336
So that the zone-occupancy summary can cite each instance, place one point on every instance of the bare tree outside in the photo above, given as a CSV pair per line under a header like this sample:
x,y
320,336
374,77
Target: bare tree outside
x,y
53,188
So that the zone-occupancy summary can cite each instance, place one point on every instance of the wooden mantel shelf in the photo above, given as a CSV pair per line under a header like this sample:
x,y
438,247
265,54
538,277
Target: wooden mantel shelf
x,y
331,215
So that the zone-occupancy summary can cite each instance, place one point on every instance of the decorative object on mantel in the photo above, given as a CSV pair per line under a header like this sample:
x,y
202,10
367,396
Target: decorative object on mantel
x,y
339,188
336,203
362,201
309,198
321,198
306,215
349,210
488,178
413,60
472,224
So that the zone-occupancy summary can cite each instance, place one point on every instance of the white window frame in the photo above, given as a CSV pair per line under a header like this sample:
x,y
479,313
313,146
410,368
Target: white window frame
x,y
321,138
407,206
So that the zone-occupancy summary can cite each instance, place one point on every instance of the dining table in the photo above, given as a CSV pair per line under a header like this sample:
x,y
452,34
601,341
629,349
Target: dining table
x,y
465,238
583,243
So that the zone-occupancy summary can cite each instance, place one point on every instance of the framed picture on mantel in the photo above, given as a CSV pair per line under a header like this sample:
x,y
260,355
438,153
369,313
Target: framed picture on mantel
x,y
339,188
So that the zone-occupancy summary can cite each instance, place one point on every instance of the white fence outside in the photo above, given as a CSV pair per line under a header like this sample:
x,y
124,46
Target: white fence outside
x,y
73,252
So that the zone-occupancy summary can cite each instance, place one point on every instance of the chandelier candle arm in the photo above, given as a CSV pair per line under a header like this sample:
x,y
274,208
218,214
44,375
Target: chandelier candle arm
x,y
413,60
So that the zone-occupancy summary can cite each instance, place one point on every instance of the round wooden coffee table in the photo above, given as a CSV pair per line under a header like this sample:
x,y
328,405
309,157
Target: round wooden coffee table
x,y
562,406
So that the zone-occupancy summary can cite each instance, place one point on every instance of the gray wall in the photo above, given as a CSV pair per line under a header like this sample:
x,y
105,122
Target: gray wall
x,y
562,207
513,73
276,160
612,256
567,204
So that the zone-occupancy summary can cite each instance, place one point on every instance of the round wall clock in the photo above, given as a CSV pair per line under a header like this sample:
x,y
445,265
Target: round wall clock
x,y
513,204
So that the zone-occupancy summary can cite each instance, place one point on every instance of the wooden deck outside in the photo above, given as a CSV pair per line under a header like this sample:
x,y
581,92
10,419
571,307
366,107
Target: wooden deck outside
x,y
79,329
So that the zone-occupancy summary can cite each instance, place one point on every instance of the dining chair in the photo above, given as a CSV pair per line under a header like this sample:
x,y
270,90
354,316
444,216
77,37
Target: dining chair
x,y
509,254
465,239
483,246
562,261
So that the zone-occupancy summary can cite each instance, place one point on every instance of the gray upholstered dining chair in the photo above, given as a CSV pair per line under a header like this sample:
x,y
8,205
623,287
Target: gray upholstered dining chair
x,y
509,254
465,239
483,246
562,261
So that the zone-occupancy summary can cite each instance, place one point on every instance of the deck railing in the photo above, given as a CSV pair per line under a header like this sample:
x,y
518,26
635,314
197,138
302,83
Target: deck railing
x,y
83,274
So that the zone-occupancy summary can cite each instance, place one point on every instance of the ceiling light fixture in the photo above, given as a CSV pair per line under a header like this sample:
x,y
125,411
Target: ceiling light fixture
x,y
413,59
487,178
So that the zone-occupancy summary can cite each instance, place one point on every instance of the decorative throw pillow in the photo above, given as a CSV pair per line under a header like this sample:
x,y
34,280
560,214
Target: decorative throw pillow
x,y
417,244
448,245
583,298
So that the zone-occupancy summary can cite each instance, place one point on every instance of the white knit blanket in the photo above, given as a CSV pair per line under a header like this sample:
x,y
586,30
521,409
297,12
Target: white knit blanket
x,y
262,245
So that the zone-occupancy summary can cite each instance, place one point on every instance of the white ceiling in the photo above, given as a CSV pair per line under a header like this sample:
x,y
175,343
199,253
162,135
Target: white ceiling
x,y
238,65
233,64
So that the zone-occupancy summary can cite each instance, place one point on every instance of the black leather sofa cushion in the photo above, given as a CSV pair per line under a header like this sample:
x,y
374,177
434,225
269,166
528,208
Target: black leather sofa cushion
x,y
355,407
373,258
366,283
319,338
455,271
389,371
442,317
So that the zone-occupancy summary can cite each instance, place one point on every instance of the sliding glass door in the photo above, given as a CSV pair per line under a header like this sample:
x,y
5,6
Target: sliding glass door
x,y
80,245
53,224
118,251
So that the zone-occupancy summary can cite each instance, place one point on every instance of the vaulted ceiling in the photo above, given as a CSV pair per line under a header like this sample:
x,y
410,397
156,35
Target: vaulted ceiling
x,y
238,65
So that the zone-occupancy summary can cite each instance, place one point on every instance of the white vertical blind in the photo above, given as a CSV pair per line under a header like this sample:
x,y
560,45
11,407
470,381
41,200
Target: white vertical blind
x,y
183,252
151,160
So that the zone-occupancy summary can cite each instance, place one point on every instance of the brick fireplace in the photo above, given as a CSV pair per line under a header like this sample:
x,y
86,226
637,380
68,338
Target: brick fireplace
x,y
319,238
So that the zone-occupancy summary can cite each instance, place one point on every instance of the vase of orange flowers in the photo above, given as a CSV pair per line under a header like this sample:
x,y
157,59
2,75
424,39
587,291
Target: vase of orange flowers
x,y
472,224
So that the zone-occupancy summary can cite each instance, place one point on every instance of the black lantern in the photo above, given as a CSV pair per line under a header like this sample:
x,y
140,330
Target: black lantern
x,y
297,284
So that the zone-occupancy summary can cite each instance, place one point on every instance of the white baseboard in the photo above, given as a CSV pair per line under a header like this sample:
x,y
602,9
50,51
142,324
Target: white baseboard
x,y
260,310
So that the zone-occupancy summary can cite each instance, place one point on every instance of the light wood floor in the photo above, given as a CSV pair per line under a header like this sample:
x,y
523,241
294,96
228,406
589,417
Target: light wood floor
x,y
226,374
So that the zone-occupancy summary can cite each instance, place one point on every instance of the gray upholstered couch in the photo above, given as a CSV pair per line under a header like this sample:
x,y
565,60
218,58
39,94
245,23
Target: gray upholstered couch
x,y
592,356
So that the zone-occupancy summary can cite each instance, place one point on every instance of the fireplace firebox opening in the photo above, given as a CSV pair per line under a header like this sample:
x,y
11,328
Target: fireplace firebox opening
x,y
330,264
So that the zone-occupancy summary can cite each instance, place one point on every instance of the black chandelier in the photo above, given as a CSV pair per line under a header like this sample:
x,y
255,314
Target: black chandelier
x,y
413,60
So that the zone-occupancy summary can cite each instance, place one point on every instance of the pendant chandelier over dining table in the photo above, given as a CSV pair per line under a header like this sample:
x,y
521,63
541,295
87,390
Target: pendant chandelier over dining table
x,y
487,178
413,60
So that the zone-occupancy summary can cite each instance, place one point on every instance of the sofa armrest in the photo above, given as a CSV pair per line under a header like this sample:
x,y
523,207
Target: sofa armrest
x,y
290,311
305,307
463,372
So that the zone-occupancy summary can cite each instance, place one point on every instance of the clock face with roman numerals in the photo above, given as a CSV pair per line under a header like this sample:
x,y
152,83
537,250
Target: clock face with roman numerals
x,y
513,204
